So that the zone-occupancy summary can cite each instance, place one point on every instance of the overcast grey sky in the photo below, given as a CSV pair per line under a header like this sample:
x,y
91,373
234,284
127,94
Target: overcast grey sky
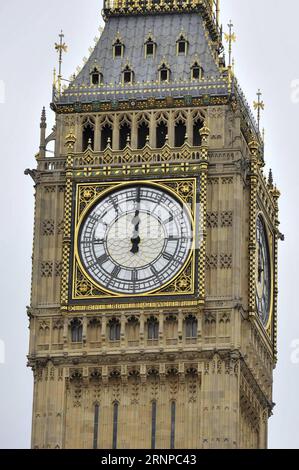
x,y
266,57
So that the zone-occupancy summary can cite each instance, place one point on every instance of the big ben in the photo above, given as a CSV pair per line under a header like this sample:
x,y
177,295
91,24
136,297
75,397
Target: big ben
x,y
153,310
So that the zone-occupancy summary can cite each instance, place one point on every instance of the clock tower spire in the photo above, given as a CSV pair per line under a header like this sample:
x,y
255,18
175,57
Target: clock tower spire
x,y
153,312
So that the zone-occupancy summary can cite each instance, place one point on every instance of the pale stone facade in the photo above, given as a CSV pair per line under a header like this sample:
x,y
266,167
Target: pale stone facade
x,y
211,388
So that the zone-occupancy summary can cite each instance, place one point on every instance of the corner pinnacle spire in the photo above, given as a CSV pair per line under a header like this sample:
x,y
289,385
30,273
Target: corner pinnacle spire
x,y
43,120
60,48
230,38
259,105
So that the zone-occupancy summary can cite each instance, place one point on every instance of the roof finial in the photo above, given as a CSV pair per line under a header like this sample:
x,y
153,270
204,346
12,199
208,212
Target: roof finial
x,y
259,105
230,38
60,48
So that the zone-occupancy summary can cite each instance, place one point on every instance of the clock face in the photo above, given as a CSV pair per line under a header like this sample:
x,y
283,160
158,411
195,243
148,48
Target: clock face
x,y
263,273
135,239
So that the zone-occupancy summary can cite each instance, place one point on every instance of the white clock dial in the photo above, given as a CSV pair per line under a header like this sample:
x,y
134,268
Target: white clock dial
x,y
135,239
263,272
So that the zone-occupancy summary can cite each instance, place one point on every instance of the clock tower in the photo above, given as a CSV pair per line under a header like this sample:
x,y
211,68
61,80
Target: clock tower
x,y
154,279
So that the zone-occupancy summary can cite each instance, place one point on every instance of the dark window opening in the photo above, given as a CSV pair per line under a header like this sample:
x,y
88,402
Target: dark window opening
x,y
182,47
196,135
154,423
88,136
124,135
118,49
96,77
76,331
115,425
149,48
153,329
114,331
164,75
96,426
180,134
191,327
161,134
127,76
172,429
143,134
196,72
106,136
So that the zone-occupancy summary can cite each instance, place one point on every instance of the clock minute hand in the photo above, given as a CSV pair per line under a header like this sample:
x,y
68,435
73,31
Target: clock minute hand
x,y
136,222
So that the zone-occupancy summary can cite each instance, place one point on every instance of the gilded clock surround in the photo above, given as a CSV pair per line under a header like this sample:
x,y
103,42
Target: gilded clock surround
x,y
269,236
85,288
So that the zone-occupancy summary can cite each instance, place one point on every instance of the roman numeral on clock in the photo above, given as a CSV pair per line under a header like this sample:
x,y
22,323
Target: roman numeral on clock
x,y
167,256
102,258
155,273
98,242
116,271
134,276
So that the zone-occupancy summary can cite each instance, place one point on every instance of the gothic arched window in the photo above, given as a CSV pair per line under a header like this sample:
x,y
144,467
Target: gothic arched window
x,y
124,134
114,330
106,136
76,331
180,133
197,125
161,134
153,328
88,135
191,327
143,134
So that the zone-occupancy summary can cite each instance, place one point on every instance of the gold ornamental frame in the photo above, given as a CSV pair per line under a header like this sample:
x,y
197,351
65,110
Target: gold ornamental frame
x,y
87,194
268,326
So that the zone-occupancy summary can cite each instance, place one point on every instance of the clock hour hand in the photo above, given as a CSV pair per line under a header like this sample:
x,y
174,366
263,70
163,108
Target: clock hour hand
x,y
136,222
260,267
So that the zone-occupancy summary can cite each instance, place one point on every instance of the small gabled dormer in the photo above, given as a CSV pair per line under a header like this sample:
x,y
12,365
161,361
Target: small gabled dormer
x,y
127,75
164,72
118,48
150,47
197,72
182,45
96,77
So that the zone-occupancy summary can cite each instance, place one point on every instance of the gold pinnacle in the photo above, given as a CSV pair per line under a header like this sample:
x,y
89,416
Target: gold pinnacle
x,y
259,105
230,38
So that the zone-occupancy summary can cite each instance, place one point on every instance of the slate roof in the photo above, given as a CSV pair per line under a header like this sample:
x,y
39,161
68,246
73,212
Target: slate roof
x,y
133,32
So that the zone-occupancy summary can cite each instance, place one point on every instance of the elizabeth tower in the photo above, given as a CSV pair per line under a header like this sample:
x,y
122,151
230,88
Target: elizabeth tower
x,y
154,278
